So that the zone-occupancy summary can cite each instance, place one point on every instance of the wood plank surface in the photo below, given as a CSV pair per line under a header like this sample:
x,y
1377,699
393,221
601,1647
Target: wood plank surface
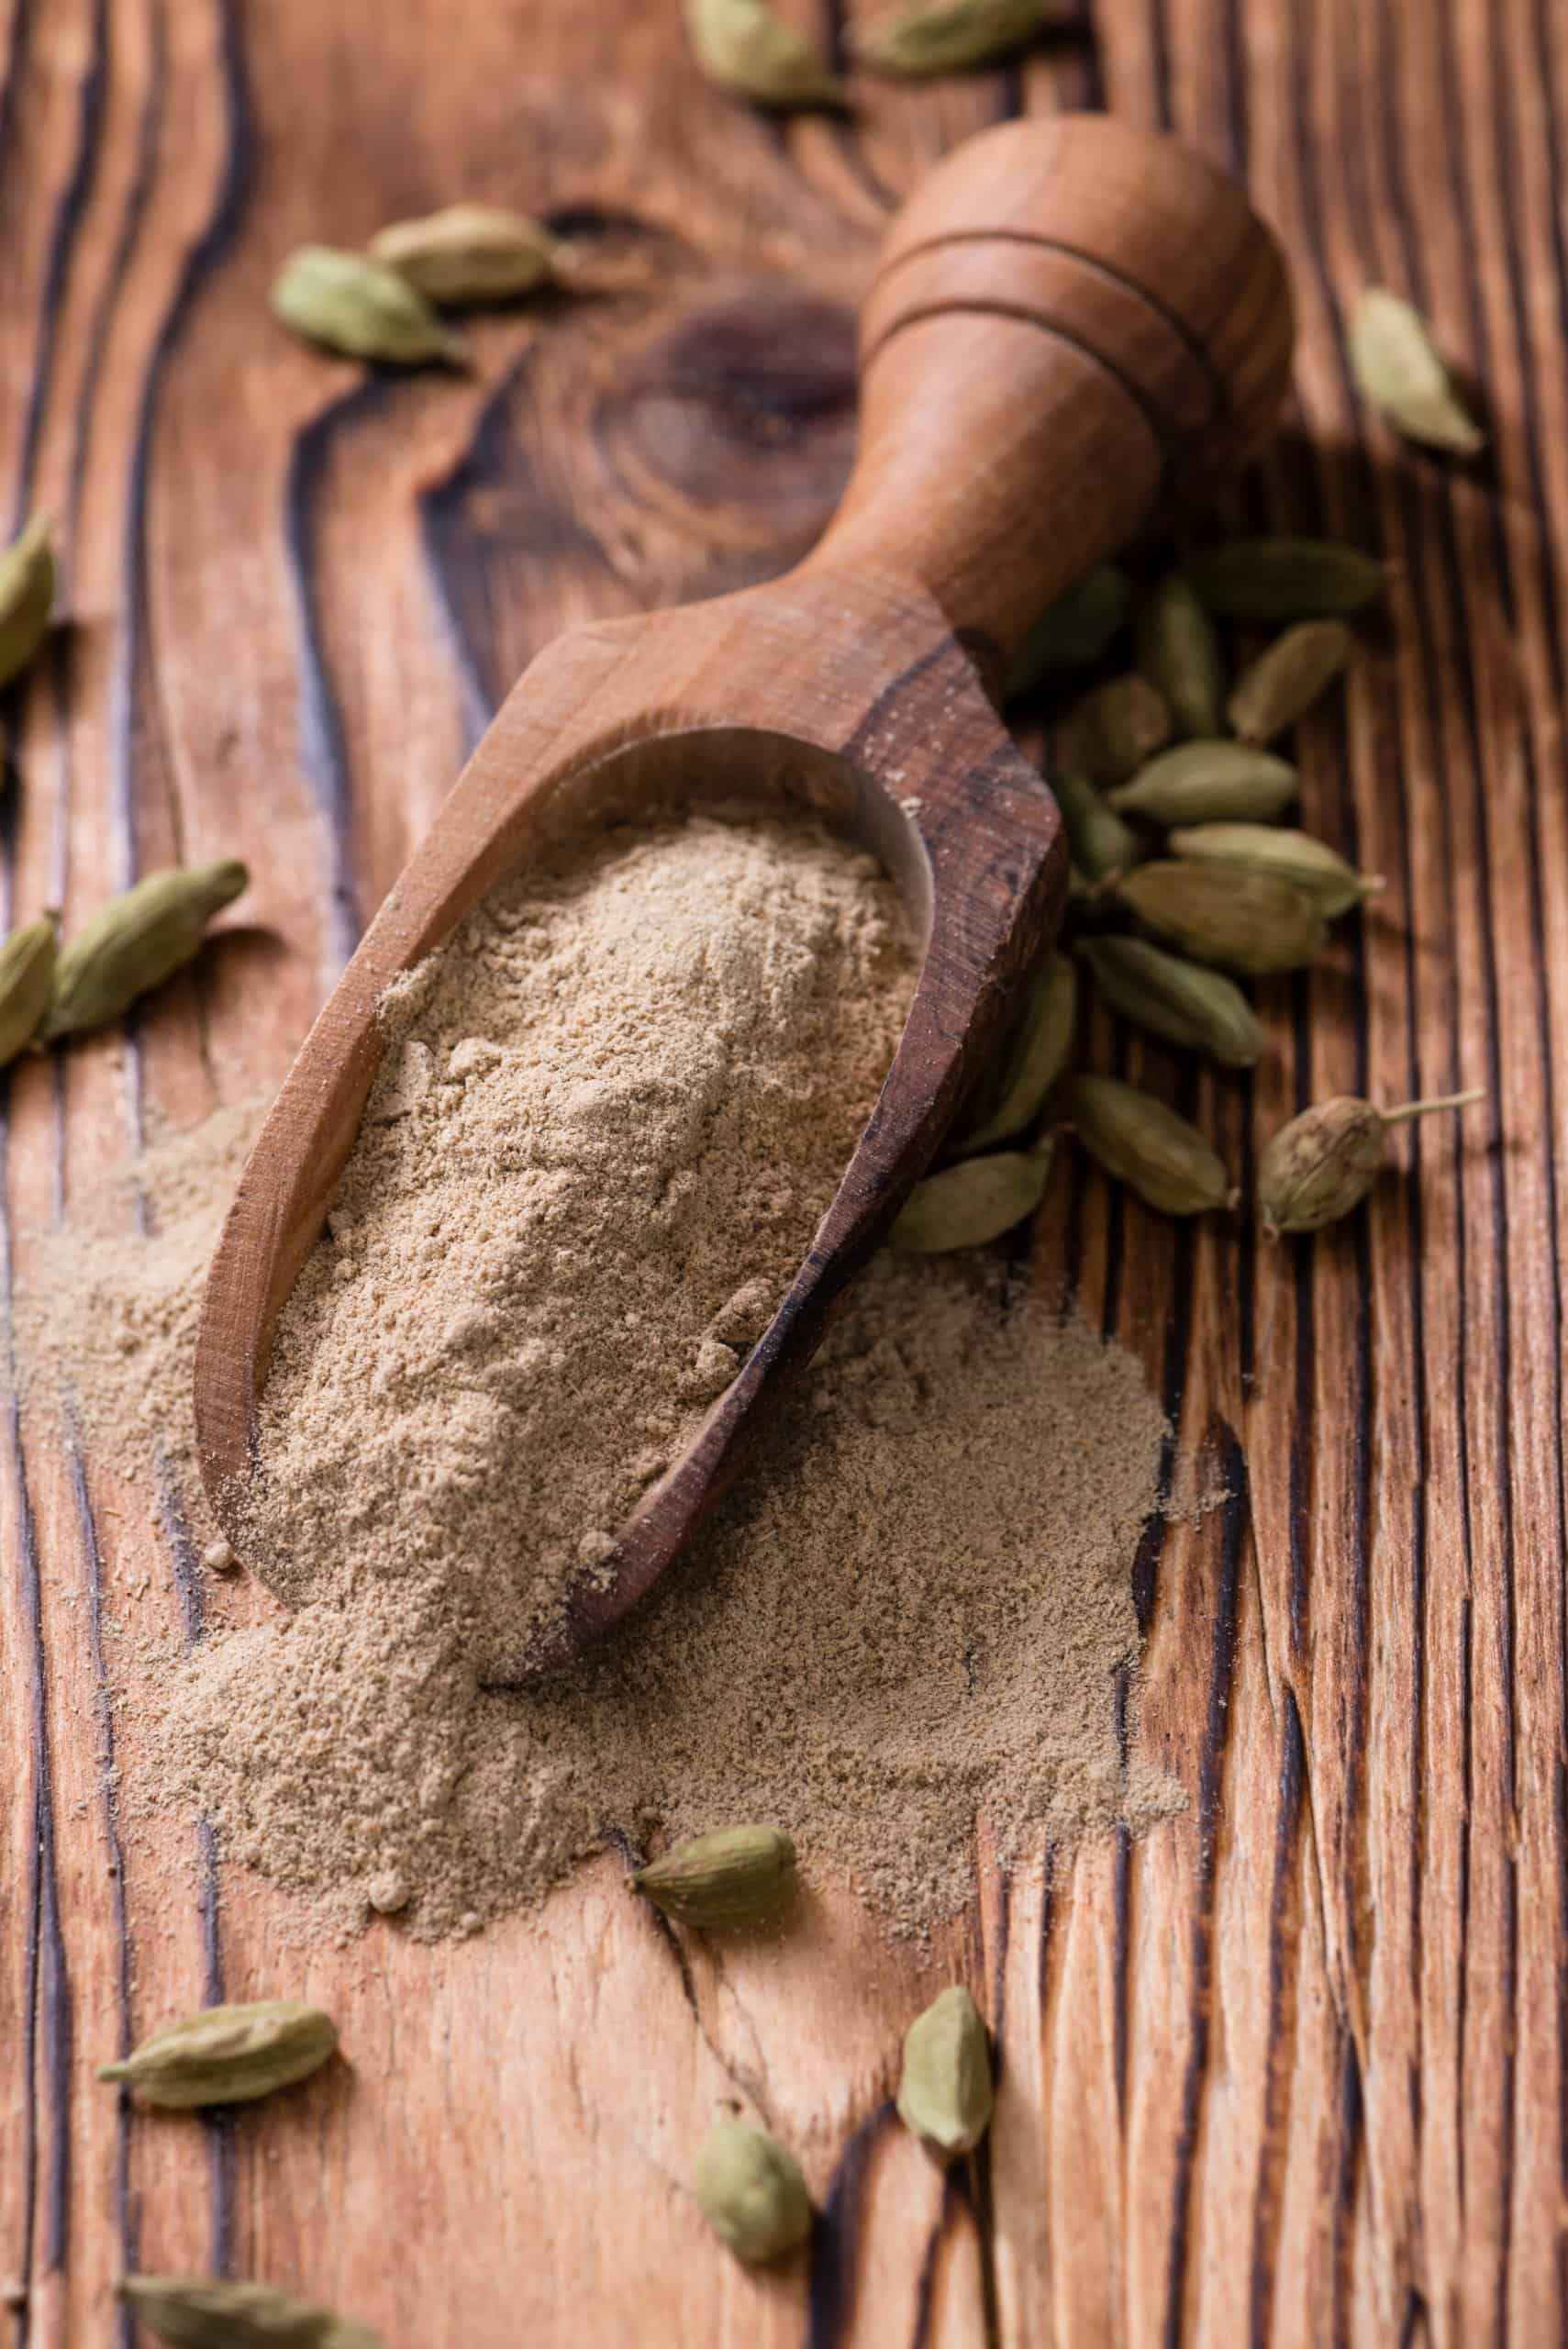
x,y
1292,2068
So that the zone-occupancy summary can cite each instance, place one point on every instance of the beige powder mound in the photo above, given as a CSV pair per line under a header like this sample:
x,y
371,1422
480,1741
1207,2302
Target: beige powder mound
x,y
912,1612
613,1109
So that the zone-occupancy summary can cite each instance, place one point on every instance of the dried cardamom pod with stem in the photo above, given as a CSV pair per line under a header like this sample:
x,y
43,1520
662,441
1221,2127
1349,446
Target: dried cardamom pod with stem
x,y
1102,843
1179,652
746,46
27,980
970,1204
735,1875
1284,579
1398,366
750,2189
1209,782
472,253
1179,1001
1254,923
948,36
26,597
1074,631
1108,734
1286,679
1038,1051
1326,1161
227,2054
136,942
1146,1146
208,2312
361,309
945,2093
1311,865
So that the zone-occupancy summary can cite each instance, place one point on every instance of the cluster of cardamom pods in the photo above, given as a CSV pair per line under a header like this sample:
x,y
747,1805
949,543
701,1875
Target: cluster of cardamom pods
x,y
747,46
223,2055
747,2185
1187,882
384,304
127,948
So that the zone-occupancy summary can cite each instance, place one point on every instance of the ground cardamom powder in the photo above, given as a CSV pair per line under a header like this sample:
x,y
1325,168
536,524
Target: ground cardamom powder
x,y
914,1610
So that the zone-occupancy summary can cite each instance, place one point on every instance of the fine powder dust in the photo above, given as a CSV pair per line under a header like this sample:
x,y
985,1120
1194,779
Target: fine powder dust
x,y
612,1111
915,1610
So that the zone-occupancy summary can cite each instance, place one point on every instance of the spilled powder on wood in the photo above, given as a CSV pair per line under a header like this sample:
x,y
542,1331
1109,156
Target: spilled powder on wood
x,y
613,1109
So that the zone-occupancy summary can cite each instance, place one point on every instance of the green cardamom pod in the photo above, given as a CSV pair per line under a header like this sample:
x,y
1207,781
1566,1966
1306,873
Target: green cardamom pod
x,y
1399,368
206,2312
361,308
136,942
1146,1146
945,2094
227,2054
1209,782
750,2191
746,46
1283,682
1284,579
1334,884
1038,1051
1182,1002
470,252
1326,1161
973,1203
735,1875
27,595
1074,631
1179,652
1102,845
26,981
948,36
1255,923
1109,734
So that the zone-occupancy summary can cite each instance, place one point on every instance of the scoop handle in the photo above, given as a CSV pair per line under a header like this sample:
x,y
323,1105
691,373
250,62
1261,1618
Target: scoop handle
x,y
1069,319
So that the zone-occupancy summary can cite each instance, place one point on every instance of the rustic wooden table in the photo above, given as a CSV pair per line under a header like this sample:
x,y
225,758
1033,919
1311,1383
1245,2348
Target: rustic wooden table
x,y
1293,2068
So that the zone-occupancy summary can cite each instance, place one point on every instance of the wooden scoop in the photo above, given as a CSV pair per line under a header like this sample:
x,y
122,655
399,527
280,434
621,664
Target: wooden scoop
x,y
1069,319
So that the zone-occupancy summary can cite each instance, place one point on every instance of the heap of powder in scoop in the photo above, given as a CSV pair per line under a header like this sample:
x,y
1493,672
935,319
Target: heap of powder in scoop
x,y
612,1111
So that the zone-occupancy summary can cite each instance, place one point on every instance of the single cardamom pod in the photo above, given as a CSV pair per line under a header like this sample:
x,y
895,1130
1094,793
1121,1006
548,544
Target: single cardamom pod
x,y
1283,682
470,252
1102,845
1334,884
735,1875
948,36
1179,652
945,2094
750,2189
1399,368
1255,923
1180,1001
968,1205
1037,1052
746,46
1074,631
206,2312
227,2054
136,942
27,979
1326,1161
1209,782
1109,734
1284,579
27,595
361,308
1146,1146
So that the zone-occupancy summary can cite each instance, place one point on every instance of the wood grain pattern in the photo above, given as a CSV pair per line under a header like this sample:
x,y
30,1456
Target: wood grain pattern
x,y
1293,2067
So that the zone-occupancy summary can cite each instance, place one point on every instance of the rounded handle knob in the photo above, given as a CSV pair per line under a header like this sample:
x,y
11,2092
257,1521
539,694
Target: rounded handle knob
x,y
1069,321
